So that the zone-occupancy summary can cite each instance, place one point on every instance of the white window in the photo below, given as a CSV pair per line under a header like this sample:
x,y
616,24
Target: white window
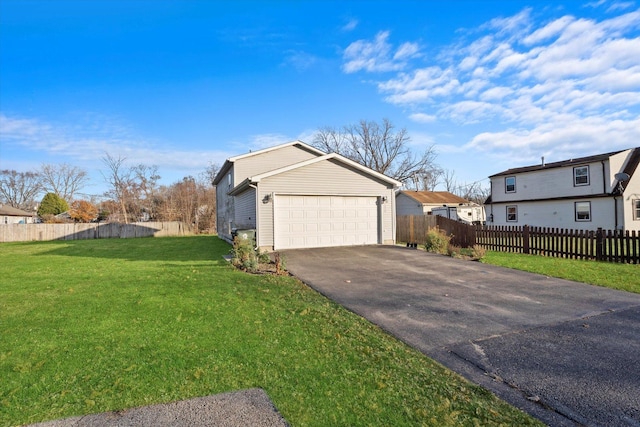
x,y
512,214
229,180
583,211
581,175
510,184
636,210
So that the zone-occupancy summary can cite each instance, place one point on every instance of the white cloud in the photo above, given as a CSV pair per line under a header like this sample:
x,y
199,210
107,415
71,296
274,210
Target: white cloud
x,y
266,140
351,25
377,55
422,118
567,82
300,60
89,138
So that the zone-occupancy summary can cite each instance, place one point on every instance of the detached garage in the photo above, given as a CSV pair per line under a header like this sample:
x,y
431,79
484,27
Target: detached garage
x,y
296,196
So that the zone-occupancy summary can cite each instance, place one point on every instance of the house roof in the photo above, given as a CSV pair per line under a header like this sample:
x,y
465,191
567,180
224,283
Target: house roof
x,y
434,197
11,211
227,164
562,163
332,156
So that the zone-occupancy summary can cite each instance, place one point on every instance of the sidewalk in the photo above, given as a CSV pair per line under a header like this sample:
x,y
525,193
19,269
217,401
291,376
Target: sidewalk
x,y
236,409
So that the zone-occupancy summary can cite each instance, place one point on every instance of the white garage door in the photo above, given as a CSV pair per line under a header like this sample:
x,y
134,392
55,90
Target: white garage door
x,y
317,221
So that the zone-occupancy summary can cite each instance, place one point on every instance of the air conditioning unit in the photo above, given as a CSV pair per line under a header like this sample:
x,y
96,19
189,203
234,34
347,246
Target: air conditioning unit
x,y
246,234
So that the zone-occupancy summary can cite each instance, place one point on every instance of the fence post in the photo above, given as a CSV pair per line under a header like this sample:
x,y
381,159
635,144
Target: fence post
x,y
525,239
599,244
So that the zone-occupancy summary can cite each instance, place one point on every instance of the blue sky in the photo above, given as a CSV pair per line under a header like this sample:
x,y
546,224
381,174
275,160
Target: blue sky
x,y
181,84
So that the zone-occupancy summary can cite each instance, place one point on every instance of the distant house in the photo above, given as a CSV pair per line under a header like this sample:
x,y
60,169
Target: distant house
x,y
296,196
11,215
600,191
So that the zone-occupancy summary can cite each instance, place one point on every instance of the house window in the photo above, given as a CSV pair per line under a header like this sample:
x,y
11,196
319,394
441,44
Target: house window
x,y
636,210
229,180
510,184
581,175
583,211
512,214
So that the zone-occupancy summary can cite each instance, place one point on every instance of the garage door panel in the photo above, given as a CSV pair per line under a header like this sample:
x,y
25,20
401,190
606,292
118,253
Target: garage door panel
x,y
316,221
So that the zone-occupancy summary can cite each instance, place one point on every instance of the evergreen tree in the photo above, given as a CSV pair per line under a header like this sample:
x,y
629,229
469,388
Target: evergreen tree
x,y
52,204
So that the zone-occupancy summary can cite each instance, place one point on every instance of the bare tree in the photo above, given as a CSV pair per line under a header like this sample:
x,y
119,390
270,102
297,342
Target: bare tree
x,y
19,189
449,180
145,187
119,178
210,173
378,146
64,180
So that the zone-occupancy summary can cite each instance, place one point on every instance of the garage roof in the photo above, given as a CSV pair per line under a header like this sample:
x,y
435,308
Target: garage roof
x,y
434,197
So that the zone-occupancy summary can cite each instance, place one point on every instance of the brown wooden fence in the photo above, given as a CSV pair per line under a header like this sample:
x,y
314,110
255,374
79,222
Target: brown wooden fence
x,y
414,228
72,231
600,245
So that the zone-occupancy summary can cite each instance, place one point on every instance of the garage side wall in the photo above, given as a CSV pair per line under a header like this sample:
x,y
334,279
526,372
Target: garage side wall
x,y
408,206
324,178
245,209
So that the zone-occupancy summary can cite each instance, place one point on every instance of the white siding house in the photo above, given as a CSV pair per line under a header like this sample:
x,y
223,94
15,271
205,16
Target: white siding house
x,y
441,203
11,215
587,193
296,196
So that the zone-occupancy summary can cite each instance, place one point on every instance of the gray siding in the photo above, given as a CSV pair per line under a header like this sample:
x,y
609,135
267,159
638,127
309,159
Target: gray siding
x,y
328,177
407,206
225,213
245,209
271,160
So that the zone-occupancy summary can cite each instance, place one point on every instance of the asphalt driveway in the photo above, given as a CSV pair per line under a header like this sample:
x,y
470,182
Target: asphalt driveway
x,y
566,352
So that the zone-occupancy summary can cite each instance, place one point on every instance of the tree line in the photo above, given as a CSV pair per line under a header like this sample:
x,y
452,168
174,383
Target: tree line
x,y
54,191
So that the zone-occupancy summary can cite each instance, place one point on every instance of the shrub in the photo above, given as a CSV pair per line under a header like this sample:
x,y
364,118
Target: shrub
x,y
455,251
478,252
244,255
437,241
281,267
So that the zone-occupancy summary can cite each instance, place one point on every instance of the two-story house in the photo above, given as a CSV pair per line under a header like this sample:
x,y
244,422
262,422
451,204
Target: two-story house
x,y
296,196
587,193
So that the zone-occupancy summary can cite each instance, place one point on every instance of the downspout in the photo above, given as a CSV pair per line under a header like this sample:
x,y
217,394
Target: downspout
x,y
257,214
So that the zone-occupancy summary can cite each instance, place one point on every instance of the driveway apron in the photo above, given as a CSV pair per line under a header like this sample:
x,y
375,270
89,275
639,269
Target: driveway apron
x,y
566,352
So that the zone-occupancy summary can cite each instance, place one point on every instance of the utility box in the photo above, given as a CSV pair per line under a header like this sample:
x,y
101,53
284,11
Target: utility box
x,y
245,234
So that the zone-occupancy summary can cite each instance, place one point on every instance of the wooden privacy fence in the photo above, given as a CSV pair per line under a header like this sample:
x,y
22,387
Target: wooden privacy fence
x,y
414,228
80,231
599,245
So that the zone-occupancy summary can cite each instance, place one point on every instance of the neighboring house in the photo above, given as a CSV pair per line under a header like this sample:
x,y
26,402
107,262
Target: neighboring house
x,y
440,203
296,196
601,191
11,215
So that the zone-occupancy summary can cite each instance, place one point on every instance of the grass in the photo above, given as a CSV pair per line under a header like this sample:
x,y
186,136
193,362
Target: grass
x,y
99,325
624,277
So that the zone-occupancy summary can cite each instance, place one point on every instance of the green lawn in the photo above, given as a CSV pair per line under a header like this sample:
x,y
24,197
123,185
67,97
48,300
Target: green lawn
x,y
625,277
97,325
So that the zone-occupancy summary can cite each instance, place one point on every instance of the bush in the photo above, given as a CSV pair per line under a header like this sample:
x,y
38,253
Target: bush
x,y
437,241
244,255
478,252
455,251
